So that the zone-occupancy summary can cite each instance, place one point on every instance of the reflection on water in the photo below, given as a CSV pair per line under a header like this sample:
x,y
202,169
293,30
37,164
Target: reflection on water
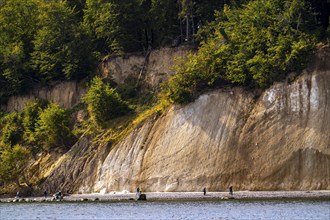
x,y
169,210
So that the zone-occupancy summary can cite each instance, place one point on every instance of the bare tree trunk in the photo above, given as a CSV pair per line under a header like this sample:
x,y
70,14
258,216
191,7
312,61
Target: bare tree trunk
x,y
298,22
193,28
181,28
181,31
187,28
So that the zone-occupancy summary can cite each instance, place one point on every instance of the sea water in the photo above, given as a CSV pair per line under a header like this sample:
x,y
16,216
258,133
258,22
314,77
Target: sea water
x,y
231,209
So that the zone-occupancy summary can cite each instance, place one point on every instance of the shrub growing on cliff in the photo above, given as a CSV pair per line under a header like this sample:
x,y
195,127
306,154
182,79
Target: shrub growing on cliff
x,y
104,103
13,160
30,117
37,126
11,129
52,128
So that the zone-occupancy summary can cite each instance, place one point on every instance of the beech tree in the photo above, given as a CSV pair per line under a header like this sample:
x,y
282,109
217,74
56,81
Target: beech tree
x,y
115,24
104,103
52,129
17,29
62,48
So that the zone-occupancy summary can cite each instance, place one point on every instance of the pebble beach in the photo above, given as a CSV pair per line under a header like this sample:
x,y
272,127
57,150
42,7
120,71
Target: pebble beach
x,y
153,196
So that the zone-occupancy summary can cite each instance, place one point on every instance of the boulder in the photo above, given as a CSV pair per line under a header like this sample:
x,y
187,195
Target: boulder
x,y
142,197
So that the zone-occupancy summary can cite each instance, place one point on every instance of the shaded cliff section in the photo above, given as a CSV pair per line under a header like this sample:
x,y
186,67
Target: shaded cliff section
x,y
67,172
66,94
276,140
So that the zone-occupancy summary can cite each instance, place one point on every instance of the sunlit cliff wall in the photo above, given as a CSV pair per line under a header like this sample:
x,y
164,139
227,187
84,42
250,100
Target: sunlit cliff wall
x,y
275,140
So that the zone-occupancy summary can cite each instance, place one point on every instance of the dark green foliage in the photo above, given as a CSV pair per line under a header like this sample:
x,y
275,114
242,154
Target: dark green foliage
x,y
39,126
13,162
115,24
78,6
62,47
42,41
254,46
17,29
30,118
194,14
11,130
53,127
162,23
104,102
130,88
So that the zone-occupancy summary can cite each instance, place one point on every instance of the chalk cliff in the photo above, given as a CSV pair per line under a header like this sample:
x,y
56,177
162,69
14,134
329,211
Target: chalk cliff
x,y
153,68
278,139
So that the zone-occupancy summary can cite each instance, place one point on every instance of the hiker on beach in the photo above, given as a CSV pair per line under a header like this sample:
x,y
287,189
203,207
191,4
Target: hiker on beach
x,y
45,194
204,190
231,190
138,192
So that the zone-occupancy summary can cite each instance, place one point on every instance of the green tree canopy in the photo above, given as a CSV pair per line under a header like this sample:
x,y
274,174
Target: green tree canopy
x,y
116,25
163,23
13,161
53,127
62,48
17,30
30,118
252,46
104,103
11,129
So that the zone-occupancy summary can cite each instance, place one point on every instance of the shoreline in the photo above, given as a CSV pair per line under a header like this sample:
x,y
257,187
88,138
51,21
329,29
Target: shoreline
x,y
182,196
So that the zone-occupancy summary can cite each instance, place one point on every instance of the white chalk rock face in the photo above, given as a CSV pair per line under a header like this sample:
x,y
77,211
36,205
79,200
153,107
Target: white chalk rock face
x,y
276,140
280,140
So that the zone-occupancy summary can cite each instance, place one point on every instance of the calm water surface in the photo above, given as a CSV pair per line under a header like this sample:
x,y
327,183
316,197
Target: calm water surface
x,y
169,210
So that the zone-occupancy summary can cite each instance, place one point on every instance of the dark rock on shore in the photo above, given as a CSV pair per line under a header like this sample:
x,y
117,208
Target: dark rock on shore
x,y
142,197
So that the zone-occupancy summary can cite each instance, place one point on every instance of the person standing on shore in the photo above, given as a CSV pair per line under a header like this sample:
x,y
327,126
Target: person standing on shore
x,y
231,190
45,194
138,192
204,190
